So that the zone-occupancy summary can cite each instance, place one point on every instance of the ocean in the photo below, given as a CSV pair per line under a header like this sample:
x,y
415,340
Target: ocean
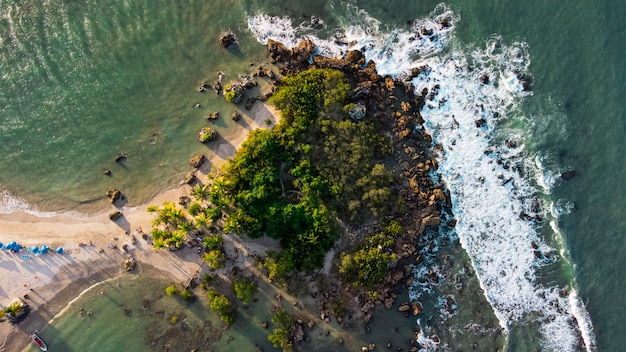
x,y
536,260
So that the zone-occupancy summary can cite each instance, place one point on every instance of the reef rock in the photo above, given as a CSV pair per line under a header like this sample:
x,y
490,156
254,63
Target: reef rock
x,y
197,160
113,195
227,39
129,264
207,134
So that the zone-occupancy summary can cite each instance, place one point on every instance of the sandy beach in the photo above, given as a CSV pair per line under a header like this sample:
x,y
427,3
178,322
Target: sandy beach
x,y
93,246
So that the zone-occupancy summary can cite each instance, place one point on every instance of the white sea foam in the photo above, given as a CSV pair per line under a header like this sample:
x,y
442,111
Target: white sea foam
x,y
474,91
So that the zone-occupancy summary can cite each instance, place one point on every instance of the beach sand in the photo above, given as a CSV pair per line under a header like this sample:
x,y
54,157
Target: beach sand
x,y
53,280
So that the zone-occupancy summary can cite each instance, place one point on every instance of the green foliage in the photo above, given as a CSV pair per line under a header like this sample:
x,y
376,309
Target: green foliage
x,y
308,92
171,290
194,209
170,227
245,290
366,267
201,192
280,335
187,295
214,258
289,183
221,305
214,241
212,294
174,319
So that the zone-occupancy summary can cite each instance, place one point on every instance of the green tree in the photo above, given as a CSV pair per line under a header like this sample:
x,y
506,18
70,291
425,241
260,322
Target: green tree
x,y
245,290
194,209
171,290
201,192
280,335
214,241
214,258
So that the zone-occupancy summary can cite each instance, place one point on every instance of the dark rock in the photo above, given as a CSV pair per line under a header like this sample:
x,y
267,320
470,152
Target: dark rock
x,y
197,160
212,116
120,157
480,123
227,39
236,116
113,195
184,200
115,216
484,79
108,172
250,102
354,56
568,175
189,178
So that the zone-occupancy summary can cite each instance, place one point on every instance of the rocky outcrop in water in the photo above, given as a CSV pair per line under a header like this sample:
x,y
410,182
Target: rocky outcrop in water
x,y
227,39
197,160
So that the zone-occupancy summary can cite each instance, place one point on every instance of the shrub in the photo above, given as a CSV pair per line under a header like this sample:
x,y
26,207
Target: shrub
x,y
171,290
187,295
245,290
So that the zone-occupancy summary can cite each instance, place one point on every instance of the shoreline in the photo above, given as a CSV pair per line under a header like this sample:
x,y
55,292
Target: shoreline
x,y
52,280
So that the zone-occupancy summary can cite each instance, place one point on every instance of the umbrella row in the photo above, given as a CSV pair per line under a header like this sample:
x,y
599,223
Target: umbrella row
x,y
16,247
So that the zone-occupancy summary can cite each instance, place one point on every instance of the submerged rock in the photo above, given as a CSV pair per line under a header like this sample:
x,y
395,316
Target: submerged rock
x,y
228,39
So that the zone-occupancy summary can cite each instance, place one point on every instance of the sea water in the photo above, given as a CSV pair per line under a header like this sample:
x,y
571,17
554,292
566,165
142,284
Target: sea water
x,y
122,69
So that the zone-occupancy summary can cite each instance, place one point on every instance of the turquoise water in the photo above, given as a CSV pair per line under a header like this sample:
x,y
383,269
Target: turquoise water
x,y
82,82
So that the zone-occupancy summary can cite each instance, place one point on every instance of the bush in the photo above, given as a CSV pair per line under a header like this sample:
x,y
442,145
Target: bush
x,y
215,241
214,258
187,295
245,290
280,335
171,290
194,209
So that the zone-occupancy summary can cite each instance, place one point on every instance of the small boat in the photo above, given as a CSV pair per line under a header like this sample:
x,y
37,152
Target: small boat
x,y
38,341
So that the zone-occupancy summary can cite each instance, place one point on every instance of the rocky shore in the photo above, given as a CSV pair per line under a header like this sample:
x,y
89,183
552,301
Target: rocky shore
x,y
395,106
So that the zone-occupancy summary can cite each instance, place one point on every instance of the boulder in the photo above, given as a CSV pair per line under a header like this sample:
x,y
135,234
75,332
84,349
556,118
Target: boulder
x,y
130,264
115,216
113,195
197,160
207,134
567,175
227,39
189,178
405,307
212,116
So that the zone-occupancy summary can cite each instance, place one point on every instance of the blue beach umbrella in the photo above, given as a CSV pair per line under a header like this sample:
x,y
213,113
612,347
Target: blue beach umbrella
x,y
60,250
35,250
1,245
44,249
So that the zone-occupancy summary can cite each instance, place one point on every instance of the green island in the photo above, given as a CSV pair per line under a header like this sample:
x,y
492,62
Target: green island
x,y
341,182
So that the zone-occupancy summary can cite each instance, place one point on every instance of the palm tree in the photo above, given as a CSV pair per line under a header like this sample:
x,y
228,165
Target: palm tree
x,y
201,192
2,318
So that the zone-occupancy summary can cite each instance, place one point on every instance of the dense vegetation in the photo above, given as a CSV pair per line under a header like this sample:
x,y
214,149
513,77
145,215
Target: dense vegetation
x,y
290,183
280,335
368,264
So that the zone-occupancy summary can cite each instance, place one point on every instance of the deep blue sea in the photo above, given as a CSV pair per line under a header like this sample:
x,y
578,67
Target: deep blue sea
x,y
84,81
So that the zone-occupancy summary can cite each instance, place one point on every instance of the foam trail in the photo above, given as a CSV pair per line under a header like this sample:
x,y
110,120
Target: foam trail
x,y
472,92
